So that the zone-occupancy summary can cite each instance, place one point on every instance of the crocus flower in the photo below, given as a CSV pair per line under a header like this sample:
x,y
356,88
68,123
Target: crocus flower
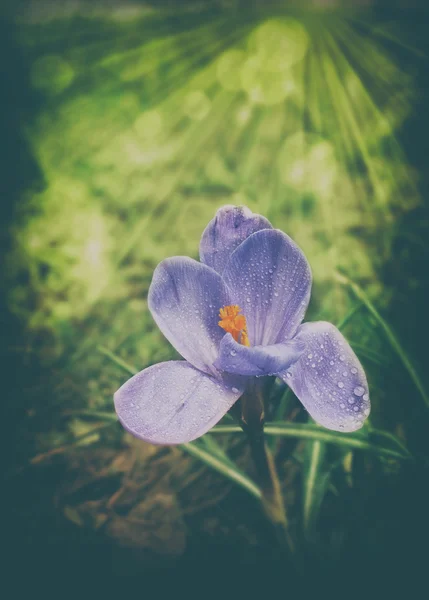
x,y
234,316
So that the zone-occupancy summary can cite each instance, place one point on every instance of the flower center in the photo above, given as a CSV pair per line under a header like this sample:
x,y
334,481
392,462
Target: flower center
x,y
234,323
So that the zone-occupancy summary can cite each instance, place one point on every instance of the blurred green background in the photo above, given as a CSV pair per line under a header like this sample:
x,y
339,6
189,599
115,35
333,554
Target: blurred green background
x,y
125,125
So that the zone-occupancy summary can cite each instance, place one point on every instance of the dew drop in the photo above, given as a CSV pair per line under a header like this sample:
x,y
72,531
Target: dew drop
x,y
342,357
366,397
359,390
354,370
340,384
344,373
331,362
351,400
288,374
356,408
235,390
233,352
310,355
342,405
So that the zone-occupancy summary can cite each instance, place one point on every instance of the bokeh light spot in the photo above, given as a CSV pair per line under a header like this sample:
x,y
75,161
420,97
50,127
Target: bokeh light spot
x,y
264,86
52,74
149,124
230,63
279,44
196,105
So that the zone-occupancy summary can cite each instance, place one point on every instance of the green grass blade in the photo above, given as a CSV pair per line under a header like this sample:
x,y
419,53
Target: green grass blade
x,y
214,448
96,414
313,432
117,360
315,483
284,402
393,340
353,312
232,473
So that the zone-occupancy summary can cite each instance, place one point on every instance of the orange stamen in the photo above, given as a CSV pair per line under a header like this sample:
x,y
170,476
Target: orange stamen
x,y
234,323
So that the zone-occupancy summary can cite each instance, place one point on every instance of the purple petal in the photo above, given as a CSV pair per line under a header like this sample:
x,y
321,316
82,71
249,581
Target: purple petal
x,y
270,279
231,226
257,360
184,299
172,403
329,379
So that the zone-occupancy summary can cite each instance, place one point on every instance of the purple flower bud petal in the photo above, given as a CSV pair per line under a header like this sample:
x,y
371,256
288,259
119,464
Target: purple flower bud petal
x,y
270,279
257,360
173,403
231,226
329,379
184,299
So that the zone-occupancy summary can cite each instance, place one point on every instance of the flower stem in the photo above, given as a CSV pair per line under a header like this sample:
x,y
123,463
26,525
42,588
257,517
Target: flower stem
x,y
252,423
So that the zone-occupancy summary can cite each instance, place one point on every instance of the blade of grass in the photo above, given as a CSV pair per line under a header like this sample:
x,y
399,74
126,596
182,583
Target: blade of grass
x,y
368,354
315,483
393,340
234,474
117,360
312,432
64,447
214,448
103,415
354,311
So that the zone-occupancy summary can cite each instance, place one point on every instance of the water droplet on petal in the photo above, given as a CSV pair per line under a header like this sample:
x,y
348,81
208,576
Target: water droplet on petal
x,y
288,374
235,390
359,390
342,357
354,370
233,352
340,384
